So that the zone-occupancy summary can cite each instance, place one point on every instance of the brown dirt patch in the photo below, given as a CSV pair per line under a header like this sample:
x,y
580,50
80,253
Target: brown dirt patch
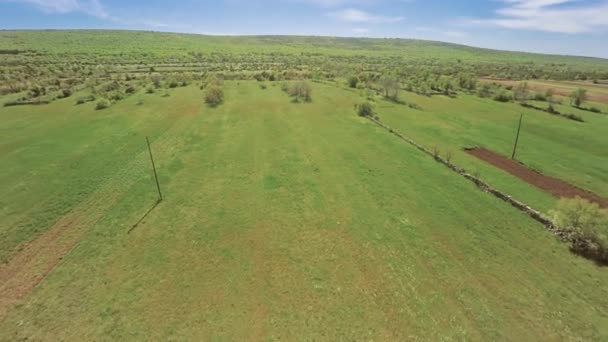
x,y
35,261
554,186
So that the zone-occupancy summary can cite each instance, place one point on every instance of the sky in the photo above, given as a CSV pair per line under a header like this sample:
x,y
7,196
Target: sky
x,y
572,27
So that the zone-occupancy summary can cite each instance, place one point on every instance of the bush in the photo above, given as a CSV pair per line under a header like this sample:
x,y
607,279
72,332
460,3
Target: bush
x,y
574,117
587,222
502,96
66,92
365,109
85,99
214,96
130,90
595,110
353,81
102,104
150,90
301,90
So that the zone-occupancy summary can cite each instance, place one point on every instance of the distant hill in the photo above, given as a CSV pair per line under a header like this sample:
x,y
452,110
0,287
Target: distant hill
x,y
156,47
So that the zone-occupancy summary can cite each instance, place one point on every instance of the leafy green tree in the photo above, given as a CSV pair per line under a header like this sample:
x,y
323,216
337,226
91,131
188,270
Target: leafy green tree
x,y
587,221
578,97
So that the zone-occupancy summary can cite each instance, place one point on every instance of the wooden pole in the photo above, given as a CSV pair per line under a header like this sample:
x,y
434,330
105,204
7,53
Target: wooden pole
x,y
160,195
517,137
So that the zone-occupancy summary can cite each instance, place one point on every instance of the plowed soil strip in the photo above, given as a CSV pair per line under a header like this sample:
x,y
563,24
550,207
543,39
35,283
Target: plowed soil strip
x,y
554,186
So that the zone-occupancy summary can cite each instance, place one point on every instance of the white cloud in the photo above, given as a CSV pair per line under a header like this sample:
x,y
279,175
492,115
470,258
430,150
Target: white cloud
x,y
550,16
90,7
360,30
357,16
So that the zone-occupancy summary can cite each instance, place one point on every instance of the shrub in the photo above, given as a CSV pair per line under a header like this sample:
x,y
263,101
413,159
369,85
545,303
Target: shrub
x,y
66,92
484,91
301,90
502,96
595,110
85,99
587,222
574,117
578,97
150,90
540,97
353,81
130,90
102,104
365,109
214,96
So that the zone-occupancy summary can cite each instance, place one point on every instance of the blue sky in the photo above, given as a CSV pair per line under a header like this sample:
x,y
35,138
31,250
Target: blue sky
x,y
576,27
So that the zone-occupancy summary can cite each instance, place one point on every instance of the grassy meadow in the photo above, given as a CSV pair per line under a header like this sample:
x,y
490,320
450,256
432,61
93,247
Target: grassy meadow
x,y
285,220
281,221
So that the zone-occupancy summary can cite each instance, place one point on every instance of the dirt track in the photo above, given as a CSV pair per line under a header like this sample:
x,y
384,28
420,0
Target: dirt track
x,y
554,186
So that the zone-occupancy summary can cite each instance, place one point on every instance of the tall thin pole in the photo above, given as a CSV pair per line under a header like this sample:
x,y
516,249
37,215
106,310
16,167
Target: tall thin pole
x,y
160,195
517,137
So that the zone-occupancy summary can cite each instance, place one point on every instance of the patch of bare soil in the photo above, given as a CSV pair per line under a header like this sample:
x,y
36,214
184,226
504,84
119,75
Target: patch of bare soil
x,y
20,275
554,186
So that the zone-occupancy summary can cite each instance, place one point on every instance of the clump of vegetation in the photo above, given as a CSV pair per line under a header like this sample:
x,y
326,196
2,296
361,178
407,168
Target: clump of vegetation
x,y
502,96
85,99
365,110
102,104
353,81
214,95
587,222
300,91
578,97
390,88
66,92
522,92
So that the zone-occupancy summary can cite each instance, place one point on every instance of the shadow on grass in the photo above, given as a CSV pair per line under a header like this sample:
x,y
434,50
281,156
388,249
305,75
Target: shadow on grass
x,y
145,215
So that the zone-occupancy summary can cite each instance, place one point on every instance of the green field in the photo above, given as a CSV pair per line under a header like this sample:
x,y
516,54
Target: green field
x,y
281,220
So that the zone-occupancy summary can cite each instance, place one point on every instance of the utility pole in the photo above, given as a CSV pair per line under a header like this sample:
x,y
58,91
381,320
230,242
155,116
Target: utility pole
x,y
160,195
517,137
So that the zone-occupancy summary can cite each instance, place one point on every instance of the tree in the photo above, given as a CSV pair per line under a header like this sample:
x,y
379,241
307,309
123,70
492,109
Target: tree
x,y
550,97
301,90
446,85
586,221
214,96
578,97
390,87
522,92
